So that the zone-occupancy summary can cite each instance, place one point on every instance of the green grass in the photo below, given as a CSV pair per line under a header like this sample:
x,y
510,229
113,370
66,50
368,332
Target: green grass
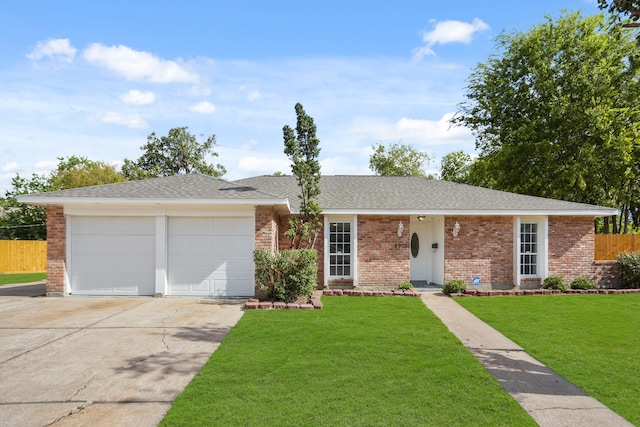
x,y
360,361
9,279
592,340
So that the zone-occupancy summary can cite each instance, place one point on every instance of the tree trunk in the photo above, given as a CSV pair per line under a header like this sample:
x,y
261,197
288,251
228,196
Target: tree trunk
x,y
605,229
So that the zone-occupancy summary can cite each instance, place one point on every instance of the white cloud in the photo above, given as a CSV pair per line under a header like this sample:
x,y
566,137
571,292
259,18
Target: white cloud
x,y
45,165
138,65
10,167
254,96
57,49
448,32
137,97
419,131
133,121
204,107
264,165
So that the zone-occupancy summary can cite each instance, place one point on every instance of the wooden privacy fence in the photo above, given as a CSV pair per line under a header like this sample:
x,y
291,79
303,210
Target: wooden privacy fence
x,y
21,256
608,246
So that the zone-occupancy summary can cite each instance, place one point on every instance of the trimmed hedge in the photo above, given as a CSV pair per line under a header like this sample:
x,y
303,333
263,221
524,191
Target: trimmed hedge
x,y
630,264
287,275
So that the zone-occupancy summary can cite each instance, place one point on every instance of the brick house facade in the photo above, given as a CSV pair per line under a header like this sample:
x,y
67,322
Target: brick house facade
x,y
197,235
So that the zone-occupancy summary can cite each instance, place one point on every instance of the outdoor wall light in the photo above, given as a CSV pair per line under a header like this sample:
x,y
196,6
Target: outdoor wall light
x,y
421,217
456,229
400,229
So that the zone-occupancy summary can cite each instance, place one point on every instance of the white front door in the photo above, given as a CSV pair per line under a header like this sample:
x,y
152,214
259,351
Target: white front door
x,y
420,250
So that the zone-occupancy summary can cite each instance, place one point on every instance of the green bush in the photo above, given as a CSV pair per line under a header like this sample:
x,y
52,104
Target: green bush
x,y
287,275
405,285
454,286
554,282
583,283
630,265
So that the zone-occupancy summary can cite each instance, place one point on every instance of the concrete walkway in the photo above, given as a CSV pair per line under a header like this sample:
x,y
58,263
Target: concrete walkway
x,y
549,398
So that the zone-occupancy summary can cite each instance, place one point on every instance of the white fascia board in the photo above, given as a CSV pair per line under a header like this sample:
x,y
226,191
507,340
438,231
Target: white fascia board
x,y
589,213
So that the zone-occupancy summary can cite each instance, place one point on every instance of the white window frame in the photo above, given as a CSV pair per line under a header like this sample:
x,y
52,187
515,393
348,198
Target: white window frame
x,y
353,221
542,223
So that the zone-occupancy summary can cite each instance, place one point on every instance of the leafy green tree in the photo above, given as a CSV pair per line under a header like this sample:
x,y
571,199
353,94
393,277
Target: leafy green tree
x,y
25,222
455,167
398,160
19,221
621,9
177,153
76,172
302,148
554,112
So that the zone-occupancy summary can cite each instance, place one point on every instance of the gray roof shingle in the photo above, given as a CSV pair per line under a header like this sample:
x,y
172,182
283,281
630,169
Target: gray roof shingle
x,y
192,186
340,193
389,193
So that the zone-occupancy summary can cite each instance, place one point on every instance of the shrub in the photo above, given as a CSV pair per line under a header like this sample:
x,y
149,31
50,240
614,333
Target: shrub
x,y
405,285
630,265
554,282
454,286
583,283
287,275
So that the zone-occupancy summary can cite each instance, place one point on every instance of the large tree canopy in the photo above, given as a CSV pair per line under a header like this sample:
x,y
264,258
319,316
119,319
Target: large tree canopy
x,y
25,222
555,112
177,153
621,9
398,160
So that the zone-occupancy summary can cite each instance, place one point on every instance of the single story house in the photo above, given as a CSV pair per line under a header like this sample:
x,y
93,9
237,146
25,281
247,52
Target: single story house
x,y
195,235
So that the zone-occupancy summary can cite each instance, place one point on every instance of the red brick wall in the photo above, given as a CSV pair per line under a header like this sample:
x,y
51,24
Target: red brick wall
x,y
383,257
56,250
607,274
267,228
571,247
483,248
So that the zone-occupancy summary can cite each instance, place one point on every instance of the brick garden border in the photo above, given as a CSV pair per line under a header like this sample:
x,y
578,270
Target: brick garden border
x,y
315,303
527,292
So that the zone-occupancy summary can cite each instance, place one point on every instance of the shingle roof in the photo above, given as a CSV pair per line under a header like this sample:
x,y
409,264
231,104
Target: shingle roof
x,y
348,194
192,186
381,193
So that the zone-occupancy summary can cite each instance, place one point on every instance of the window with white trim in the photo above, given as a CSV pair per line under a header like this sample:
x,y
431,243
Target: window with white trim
x,y
529,249
339,249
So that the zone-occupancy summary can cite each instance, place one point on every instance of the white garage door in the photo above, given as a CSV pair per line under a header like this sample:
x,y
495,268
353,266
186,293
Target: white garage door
x,y
210,256
112,256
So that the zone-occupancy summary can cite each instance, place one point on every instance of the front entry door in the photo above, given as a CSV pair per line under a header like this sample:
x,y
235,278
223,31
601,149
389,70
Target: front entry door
x,y
420,251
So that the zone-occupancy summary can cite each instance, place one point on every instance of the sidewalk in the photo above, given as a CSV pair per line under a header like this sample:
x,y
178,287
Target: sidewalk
x,y
549,398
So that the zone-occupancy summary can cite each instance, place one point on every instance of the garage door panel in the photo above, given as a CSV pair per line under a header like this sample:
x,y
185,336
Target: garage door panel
x,y
112,256
112,265
113,225
106,245
211,256
117,284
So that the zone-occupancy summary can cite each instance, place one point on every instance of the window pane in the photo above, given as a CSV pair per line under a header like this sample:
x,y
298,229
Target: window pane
x,y
340,245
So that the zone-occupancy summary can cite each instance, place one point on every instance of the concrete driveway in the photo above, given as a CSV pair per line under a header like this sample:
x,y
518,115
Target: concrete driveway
x,y
103,361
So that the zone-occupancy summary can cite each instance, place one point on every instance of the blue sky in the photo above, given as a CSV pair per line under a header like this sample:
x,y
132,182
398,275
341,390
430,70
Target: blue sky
x,y
95,78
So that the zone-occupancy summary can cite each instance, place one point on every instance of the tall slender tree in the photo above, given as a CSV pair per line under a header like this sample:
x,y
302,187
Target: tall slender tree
x,y
302,148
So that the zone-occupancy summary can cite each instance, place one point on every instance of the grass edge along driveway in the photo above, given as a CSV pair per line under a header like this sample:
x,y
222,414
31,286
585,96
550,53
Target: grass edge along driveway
x,y
591,340
15,278
360,361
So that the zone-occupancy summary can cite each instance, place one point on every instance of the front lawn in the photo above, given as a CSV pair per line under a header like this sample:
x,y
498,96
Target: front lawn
x,y
360,361
592,340
10,279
